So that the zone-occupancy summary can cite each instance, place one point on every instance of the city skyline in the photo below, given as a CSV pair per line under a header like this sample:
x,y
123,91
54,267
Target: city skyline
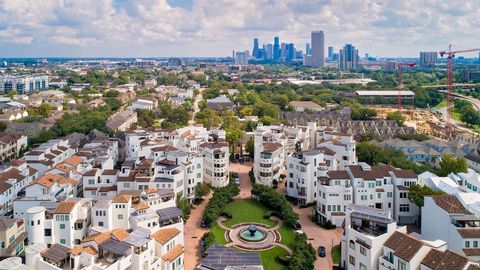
x,y
198,28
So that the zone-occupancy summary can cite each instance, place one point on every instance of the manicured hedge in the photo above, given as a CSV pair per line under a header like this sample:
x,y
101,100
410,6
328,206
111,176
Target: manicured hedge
x,y
276,202
221,197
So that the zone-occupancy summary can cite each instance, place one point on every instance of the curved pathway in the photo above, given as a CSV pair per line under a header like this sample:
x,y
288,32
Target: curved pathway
x,y
269,242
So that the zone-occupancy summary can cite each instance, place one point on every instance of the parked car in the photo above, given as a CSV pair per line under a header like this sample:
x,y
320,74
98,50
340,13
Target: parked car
x,y
204,223
236,181
297,226
321,251
234,174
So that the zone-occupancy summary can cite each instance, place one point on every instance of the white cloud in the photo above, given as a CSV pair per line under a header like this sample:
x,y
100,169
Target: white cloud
x,y
153,27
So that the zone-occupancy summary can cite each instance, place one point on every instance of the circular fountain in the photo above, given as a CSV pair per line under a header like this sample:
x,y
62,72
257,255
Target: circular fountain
x,y
252,234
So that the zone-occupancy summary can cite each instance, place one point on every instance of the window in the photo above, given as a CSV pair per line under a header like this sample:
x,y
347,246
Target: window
x,y
62,241
100,223
379,195
62,226
389,194
351,260
351,244
475,244
362,266
403,195
91,181
467,244
363,250
402,265
120,216
404,208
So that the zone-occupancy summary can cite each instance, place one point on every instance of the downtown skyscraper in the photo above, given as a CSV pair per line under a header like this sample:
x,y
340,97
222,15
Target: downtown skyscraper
x,y
348,58
276,48
255,51
318,49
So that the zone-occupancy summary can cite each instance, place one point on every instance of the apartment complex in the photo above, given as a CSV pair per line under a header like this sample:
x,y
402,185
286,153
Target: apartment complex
x,y
23,84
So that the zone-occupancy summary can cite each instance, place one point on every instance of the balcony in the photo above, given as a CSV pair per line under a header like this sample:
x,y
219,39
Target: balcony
x,y
384,263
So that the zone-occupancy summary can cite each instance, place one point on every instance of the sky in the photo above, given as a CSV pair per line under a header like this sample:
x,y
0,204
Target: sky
x,y
159,28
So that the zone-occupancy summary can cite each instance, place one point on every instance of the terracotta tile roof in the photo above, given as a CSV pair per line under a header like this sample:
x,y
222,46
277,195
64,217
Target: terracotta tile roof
x,y
405,247
450,204
109,172
92,172
98,238
74,160
32,171
79,249
164,235
151,190
141,206
405,174
64,167
120,234
173,253
326,151
4,186
12,173
471,251
447,260
65,207
49,179
271,147
473,267
469,233
17,162
122,199
338,175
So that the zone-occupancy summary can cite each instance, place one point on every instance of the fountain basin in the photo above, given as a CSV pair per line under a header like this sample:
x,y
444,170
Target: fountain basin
x,y
249,235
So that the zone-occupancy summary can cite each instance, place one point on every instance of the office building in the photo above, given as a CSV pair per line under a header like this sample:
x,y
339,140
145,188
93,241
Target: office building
x,y
283,50
308,49
23,84
276,48
428,58
330,53
268,51
348,57
290,52
241,58
256,50
318,49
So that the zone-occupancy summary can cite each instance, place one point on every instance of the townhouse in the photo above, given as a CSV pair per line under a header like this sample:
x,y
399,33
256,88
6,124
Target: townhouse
x,y
49,154
12,236
14,178
65,223
380,187
11,146
373,241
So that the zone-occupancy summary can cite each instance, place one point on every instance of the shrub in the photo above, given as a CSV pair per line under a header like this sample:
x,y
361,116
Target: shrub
x,y
284,259
276,202
221,197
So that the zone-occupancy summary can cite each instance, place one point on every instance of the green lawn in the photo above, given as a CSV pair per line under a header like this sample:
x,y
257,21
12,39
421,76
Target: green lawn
x,y
219,234
247,211
440,105
336,253
253,211
288,235
269,258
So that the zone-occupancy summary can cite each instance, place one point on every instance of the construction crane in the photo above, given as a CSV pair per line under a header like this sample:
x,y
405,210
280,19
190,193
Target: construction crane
x,y
450,55
400,82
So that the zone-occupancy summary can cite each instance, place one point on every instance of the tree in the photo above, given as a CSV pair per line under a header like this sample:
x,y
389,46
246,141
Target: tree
x,y
12,94
250,147
397,116
304,256
3,126
201,190
184,205
208,118
44,109
112,93
417,194
470,116
450,164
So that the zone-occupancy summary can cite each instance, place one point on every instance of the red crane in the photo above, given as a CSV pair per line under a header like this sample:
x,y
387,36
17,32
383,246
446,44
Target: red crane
x,y
450,55
400,82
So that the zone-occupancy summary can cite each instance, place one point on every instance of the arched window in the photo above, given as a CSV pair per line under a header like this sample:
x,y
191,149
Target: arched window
x,y
352,244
